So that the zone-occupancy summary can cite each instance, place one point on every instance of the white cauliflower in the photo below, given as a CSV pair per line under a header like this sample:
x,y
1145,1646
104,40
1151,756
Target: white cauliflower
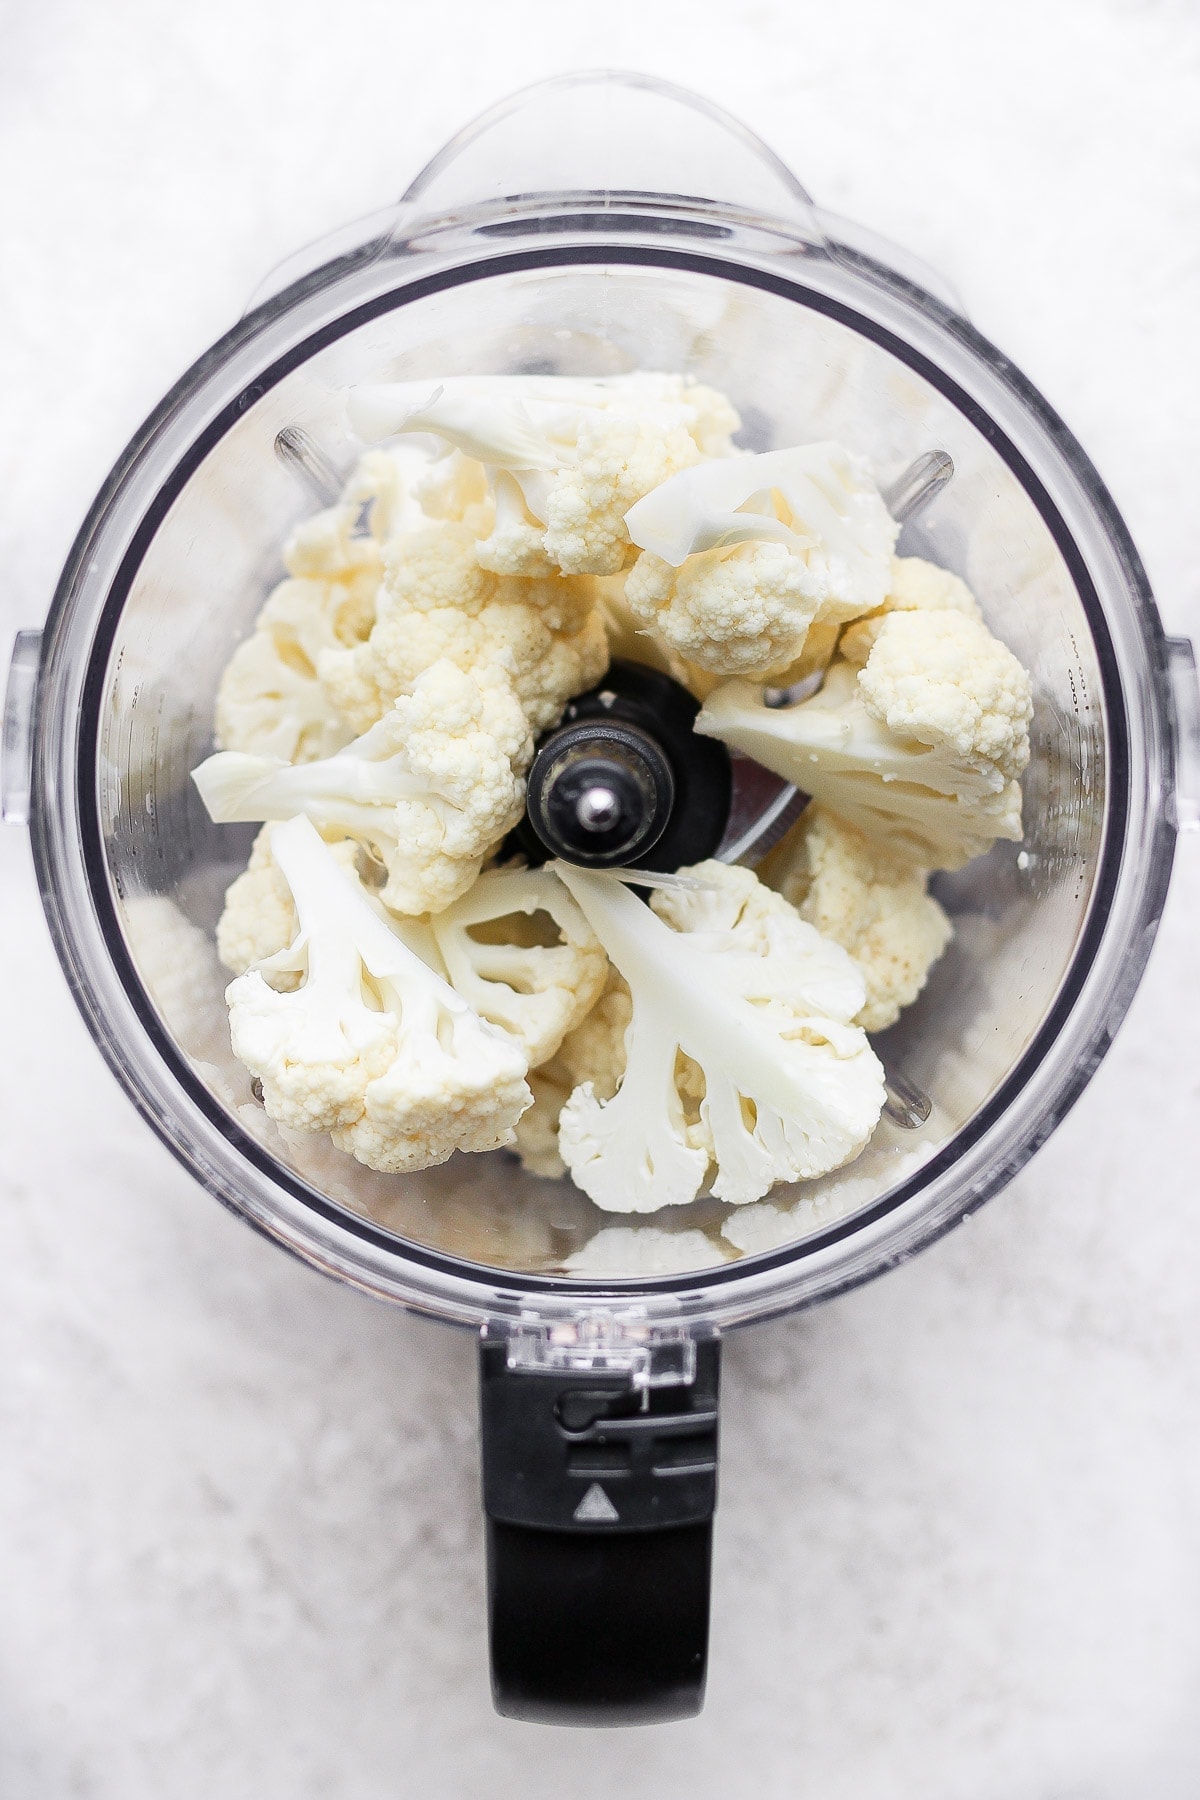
x,y
436,602
536,990
645,1250
429,790
742,556
259,917
593,1052
579,451
514,545
270,700
921,749
742,1010
943,679
373,1047
868,902
915,586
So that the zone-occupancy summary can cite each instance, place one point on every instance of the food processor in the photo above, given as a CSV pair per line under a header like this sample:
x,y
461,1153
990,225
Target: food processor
x,y
593,225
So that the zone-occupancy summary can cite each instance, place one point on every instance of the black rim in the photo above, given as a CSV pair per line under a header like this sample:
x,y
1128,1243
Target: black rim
x,y
501,1282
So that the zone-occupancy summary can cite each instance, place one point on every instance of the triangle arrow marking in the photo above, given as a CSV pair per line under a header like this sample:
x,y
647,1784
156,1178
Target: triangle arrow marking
x,y
595,1508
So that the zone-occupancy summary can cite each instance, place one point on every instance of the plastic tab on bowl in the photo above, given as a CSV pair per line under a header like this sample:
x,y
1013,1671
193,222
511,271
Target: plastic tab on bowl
x,y
17,760
1185,691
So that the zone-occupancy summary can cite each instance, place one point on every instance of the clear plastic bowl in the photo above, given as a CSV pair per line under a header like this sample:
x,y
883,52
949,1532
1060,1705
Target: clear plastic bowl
x,y
597,256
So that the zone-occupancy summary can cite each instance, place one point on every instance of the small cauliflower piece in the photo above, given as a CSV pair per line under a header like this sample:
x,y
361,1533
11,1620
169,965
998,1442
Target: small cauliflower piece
x,y
915,586
921,749
742,556
624,1250
744,611
535,991
617,459
388,483
429,790
259,919
580,452
437,602
732,990
373,1046
270,700
943,679
868,902
593,1052
514,544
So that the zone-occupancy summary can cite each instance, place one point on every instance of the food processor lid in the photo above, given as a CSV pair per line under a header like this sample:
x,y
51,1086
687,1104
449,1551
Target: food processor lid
x,y
472,214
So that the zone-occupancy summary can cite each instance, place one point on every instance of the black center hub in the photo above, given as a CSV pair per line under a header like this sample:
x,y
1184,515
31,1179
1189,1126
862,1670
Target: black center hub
x,y
624,781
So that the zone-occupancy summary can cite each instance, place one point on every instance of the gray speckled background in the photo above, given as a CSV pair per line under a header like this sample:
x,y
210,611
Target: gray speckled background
x,y
959,1544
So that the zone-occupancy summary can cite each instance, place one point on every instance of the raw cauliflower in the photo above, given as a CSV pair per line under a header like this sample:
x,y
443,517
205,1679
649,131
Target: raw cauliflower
x,y
874,906
741,557
915,586
942,678
578,453
429,790
270,701
496,958
437,602
259,917
593,1052
740,1054
921,749
372,1046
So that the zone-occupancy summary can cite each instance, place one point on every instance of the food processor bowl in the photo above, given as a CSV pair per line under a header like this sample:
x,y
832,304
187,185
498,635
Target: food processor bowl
x,y
596,225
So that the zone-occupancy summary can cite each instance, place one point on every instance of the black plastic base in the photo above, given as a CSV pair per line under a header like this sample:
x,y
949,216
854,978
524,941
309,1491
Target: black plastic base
x,y
590,1630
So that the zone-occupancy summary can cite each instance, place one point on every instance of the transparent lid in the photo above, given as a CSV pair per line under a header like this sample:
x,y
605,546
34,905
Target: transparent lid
x,y
490,268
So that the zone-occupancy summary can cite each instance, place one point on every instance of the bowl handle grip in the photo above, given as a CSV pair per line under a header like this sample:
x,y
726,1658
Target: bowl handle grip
x,y
599,1495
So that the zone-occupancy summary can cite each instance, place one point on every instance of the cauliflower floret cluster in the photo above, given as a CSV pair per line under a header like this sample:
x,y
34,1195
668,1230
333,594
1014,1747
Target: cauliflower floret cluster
x,y
873,905
921,748
436,602
271,701
372,1045
776,1083
428,790
394,991
741,557
567,458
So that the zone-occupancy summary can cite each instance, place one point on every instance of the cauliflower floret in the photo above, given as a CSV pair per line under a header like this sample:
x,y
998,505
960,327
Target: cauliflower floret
x,y
580,452
373,1047
645,1250
514,544
436,602
388,482
270,700
741,557
943,679
430,789
915,586
537,991
594,1052
741,611
729,977
865,900
921,749
617,460
259,919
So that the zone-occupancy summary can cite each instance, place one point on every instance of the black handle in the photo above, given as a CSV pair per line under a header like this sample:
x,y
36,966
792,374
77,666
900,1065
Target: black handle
x,y
599,1496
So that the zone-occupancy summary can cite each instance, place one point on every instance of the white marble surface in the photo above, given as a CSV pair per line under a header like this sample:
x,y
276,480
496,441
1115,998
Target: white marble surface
x,y
959,1544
